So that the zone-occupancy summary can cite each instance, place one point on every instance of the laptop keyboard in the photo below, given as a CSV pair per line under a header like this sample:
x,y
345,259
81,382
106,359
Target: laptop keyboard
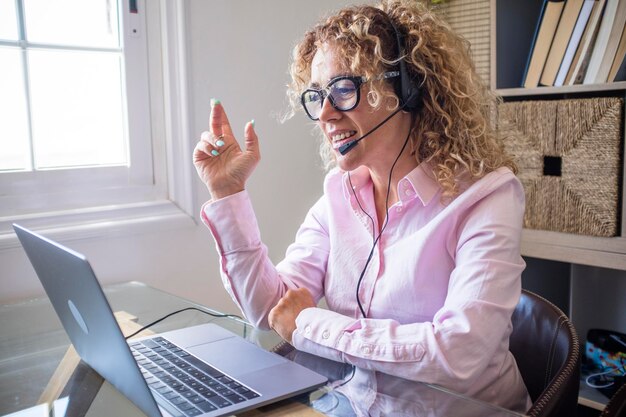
x,y
189,384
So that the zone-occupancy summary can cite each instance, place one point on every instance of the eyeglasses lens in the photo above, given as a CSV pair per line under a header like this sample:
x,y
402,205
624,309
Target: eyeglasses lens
x,y
343,95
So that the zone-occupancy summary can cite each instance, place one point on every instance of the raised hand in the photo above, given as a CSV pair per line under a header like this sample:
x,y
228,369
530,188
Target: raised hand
x,y
219,160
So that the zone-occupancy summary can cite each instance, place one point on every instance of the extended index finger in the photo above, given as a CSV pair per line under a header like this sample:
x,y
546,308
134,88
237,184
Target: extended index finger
x,y
218,120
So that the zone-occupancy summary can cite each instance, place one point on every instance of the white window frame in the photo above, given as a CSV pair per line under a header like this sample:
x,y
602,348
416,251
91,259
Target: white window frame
x,y
160,200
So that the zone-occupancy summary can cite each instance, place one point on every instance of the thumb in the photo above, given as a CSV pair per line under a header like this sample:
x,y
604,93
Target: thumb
x,y
252,140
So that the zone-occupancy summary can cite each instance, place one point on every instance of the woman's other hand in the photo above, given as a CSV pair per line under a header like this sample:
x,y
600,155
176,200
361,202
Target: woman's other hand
x,y
282,317
219,160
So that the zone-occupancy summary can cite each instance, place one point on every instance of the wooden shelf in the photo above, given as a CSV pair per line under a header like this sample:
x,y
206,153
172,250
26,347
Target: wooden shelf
x,y
570,89
577,249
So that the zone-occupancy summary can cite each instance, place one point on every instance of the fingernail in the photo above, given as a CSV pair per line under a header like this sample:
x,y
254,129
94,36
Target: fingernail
x,y
205,135
219,143
252,122
214,152
214,102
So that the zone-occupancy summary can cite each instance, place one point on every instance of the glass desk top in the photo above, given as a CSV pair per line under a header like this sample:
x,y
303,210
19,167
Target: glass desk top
x,y
34,358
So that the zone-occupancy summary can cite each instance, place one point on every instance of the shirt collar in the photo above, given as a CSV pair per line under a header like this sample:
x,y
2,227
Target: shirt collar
x,y
420,181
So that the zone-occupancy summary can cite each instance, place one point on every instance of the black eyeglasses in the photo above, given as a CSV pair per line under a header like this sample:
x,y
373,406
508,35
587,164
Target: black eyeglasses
x,y
343,92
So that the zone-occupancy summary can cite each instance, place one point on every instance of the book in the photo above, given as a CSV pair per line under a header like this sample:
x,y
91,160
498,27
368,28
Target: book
x,y
602,41
561,39
611,47
574,40
546,29
620,56
580,62
620,75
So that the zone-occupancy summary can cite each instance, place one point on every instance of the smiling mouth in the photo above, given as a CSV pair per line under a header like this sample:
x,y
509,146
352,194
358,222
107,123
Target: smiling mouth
x,y
341,138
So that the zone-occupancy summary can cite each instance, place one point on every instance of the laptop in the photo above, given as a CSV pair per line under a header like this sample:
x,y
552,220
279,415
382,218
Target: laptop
x,y
203,370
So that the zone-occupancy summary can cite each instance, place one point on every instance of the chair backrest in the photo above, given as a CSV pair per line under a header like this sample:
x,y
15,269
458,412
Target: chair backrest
x,y
546,348
617,404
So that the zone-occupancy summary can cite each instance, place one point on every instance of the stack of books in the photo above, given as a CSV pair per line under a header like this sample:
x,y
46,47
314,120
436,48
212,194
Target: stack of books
x,y
578,42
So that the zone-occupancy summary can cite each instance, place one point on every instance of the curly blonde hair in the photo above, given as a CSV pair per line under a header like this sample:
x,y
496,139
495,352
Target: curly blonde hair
x,y
452,129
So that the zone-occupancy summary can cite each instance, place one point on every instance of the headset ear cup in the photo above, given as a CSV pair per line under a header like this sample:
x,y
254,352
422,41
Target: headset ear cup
x,y
408,92
413,101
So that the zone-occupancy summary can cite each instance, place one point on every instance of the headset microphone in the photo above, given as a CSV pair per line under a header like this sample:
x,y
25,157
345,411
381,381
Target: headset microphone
x,y
347,147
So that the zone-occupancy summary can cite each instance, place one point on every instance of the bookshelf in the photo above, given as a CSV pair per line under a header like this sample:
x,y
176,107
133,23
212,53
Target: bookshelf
x,y
511,44
584,275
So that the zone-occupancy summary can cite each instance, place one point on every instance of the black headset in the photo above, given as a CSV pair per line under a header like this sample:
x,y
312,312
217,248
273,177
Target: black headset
x,y
406,87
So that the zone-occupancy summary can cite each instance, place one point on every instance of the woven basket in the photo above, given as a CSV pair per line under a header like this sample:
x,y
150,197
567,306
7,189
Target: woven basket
x,y
568,154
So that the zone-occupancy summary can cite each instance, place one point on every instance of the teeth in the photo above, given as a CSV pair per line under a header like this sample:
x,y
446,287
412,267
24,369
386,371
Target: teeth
x,y
343,136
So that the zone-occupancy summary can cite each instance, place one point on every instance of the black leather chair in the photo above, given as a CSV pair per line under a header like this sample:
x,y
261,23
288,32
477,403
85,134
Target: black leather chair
x,y
546,348
617,404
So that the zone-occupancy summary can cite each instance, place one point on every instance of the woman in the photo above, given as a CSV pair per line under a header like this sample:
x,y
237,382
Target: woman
x,y
415,243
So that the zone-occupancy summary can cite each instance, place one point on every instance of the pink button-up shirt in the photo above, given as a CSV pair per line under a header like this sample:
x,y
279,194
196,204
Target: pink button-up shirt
x,y
438,292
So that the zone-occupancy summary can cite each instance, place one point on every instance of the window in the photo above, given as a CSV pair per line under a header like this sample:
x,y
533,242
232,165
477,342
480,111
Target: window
x,y
75,132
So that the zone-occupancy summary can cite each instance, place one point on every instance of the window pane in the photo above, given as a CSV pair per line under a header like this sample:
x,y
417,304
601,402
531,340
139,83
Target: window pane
x,y
8,20
13,119
72,22
77,108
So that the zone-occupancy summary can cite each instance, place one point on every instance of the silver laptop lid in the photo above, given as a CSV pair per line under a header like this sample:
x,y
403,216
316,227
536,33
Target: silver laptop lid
x,y
84,311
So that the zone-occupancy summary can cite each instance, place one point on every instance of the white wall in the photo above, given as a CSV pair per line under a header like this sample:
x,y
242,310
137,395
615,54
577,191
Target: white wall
x,y
238,51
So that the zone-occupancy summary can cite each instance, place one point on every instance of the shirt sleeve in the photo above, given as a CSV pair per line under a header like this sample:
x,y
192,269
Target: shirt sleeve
x,y
457,346
249,276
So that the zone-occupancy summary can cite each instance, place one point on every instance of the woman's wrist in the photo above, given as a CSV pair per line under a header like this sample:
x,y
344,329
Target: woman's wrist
x,y
223,192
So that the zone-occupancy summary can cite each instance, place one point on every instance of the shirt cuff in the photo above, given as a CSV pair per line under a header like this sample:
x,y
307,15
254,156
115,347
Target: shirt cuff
x,y
232,222
319,331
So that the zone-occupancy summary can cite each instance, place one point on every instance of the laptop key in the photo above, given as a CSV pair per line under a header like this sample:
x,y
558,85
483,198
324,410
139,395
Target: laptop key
x,y
201,389
236,399
188,394
185,406
204,367
181,388
174,384
171,395
208,394
164,390
250,394
220,402
150,343
167,379
227,393
193,412
224,379
178,374
206,406
196,399
219,388
178,401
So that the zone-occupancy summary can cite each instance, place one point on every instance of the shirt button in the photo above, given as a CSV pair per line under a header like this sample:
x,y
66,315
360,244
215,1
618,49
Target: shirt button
x,y
408,192
366,350
398,209
325,334
307,330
